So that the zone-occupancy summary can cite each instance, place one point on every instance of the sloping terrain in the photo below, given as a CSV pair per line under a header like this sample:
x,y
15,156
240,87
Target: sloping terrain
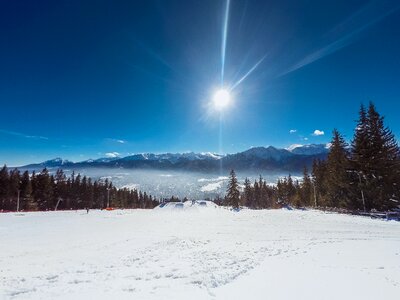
x,y
210,253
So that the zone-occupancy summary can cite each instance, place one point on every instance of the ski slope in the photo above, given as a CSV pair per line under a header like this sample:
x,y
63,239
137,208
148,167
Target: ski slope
x,y
208,253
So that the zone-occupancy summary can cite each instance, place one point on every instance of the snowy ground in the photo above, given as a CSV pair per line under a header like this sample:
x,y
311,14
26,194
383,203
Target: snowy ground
x,y
198,254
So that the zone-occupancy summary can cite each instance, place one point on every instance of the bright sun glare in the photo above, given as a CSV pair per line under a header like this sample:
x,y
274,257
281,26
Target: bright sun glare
x,y
221,99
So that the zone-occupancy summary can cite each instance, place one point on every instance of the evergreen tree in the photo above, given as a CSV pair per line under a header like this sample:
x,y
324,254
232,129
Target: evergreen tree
x,y
28,203
338,187
60,189
306,189
320,175
263,193
44,190
375,161
248,193
4,187
291,190
384,162
14,188
233,193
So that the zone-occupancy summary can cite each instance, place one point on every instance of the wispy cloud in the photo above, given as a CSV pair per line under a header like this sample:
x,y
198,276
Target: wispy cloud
x,y
291,131
372,13
318,132
112,154
19,134
118,141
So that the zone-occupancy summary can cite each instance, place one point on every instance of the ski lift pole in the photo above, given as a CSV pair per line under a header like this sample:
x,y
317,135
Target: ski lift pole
x,y
362,192
58,202
108,197
19,192
315,196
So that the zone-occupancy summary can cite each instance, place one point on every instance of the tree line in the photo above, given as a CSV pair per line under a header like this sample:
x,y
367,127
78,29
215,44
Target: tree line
x,y
45,191
363,175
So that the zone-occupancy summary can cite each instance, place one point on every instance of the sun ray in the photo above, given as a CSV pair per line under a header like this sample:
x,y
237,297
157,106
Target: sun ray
x,y
249,72
224,38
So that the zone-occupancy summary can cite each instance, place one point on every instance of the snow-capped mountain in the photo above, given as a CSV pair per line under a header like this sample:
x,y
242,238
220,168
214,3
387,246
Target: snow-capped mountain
x,y
52,163
311,149
172,157
257,158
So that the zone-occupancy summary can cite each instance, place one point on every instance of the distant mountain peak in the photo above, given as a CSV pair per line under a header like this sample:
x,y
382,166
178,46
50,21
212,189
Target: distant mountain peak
x,y
292,158
310,149
294,146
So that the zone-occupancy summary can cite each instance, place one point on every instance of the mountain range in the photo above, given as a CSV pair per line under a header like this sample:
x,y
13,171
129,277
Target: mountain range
x,y
292,159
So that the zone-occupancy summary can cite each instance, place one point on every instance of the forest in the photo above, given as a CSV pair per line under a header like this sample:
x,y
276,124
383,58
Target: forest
x,y
44,191
363,175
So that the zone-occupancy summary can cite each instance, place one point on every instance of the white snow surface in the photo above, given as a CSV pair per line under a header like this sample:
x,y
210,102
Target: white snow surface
x,y
188,205
210,253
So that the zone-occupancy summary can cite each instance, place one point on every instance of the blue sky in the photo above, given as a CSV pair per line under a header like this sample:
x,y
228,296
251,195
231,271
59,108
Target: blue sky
x,y
85,79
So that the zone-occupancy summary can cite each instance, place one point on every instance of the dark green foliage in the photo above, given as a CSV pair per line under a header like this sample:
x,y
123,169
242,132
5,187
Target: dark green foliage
x,y
27,201
338,178
44,191
306,190
247,194
375,162
364,177
233,193
4,188
287,191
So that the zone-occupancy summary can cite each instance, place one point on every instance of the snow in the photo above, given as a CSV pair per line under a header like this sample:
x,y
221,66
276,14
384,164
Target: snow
x,y
294,146
213,179
310,149
188,205
173,157
209,253
212,186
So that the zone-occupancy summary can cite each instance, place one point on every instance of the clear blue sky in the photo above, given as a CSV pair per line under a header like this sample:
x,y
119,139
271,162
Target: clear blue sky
x,y
80,79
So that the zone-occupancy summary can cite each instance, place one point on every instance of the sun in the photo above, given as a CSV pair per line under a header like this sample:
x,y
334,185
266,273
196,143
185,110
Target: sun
x,y
221,99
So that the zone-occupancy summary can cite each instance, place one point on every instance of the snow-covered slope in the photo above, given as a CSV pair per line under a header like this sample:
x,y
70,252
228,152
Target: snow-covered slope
x,y
198,254
187,205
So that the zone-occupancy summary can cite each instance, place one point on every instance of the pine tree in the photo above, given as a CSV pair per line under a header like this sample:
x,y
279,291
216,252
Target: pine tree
x,y
267,195
14,188
256,195
28,203
360,143
384,169
375,161
291,190
306,189
60,189
263,193
4,187
320,174
233,192
338,183
248,193
44,190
